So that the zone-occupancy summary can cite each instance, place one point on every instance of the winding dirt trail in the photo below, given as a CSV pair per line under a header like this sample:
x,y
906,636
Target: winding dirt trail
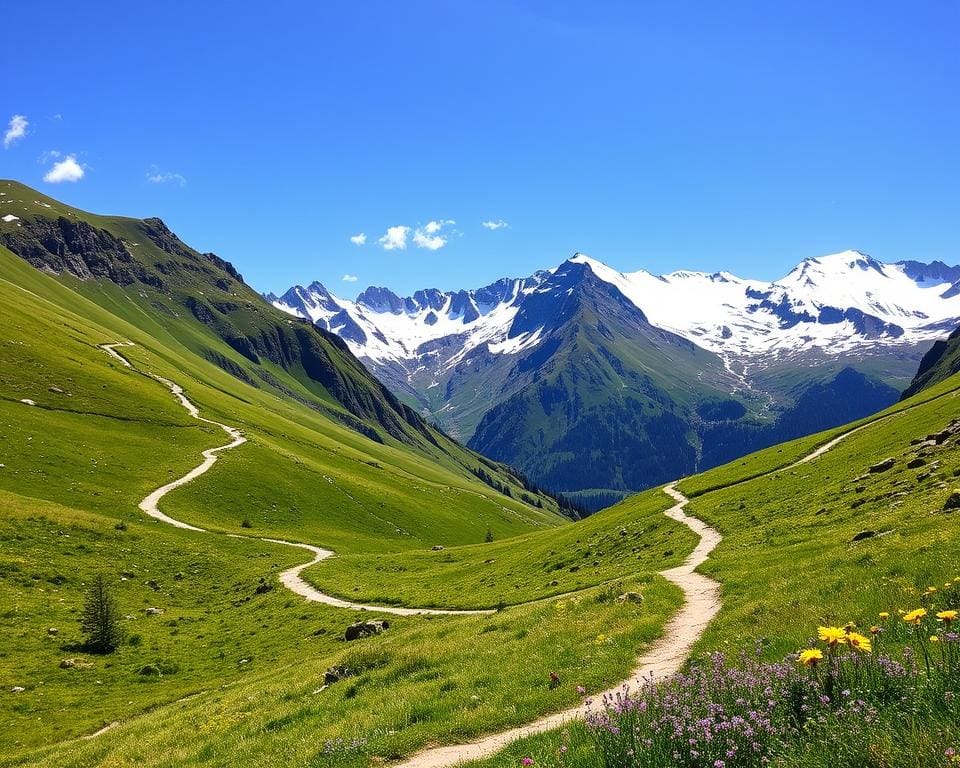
x,y
290,578
666,656
663,658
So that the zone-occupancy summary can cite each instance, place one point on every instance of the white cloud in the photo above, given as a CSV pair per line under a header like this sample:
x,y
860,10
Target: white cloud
x,y
349,278
429,236
493,225
67,169
156,176
395,239
16,130
359,239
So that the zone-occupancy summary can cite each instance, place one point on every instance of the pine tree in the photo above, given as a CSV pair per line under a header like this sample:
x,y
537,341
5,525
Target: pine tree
x,y
99,621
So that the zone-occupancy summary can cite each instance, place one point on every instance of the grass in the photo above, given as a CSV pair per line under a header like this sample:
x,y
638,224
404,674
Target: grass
x,y
634,537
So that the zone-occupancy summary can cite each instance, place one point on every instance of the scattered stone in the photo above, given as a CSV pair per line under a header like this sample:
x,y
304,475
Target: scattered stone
x,y
941,437
244,661
56,390
365,629
860,488
336,674
554,583
916,463
75,664
863,535
53,631
883,466
630,597
154,611
437,548
17,689
27,401
952,502
623,531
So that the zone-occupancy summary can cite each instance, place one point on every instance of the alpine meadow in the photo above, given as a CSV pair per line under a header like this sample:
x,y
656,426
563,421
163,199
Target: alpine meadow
x,y
318,500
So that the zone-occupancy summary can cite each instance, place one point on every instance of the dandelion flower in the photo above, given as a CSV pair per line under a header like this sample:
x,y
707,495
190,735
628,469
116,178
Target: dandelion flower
x,y
859,643
832,636
947,616
934,639
884,615
810,657
915,616
601,639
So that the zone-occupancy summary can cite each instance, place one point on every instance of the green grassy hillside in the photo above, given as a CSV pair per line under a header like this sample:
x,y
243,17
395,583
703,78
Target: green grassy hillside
x,y
232,669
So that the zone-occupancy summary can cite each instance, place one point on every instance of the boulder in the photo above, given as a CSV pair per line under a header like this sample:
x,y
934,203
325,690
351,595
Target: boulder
x,y
630,597
953,501
916,463
365,629
154,611
883,466
863,535
337,673
437,548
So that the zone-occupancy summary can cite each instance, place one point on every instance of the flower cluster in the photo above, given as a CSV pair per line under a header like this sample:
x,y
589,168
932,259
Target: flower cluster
x,y
836,694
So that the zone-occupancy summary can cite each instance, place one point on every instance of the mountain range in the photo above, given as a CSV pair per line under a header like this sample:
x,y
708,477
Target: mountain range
x,y
597,382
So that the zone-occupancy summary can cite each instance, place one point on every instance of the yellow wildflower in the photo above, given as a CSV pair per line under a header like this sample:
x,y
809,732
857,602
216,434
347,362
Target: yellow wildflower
x,y
934,639
859,643
884,615
601,639
914,617
947,616
832,636
874,630
810,657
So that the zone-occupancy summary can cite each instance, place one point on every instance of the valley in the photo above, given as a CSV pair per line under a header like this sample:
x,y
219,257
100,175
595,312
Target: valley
x,y
502,614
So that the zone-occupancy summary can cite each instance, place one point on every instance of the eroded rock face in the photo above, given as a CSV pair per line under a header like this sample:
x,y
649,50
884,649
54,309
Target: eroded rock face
x,y
61,245
365,629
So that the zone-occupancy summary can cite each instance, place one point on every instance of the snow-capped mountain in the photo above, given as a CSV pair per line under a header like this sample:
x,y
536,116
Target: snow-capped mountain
x,y
600,382
837,303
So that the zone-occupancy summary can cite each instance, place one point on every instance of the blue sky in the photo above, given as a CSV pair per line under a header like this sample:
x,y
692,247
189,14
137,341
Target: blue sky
x,y
657,135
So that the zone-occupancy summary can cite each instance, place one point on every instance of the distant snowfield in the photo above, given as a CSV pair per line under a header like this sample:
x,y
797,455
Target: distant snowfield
x,y
836,303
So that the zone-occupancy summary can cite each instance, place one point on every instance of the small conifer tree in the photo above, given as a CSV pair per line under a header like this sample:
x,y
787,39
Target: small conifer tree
x,y
100,621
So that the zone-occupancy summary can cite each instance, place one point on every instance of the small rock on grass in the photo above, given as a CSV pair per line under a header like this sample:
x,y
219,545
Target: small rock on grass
x,y
953,501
